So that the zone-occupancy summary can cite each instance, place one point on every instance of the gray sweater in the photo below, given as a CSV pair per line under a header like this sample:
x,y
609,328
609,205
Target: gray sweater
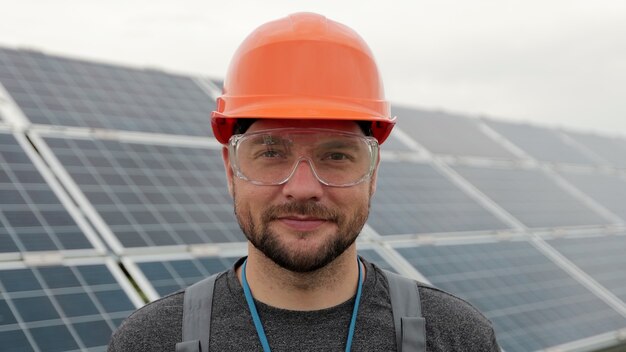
x,y
451,323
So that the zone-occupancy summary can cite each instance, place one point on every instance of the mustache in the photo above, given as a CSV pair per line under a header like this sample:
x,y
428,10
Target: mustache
x,y
301,208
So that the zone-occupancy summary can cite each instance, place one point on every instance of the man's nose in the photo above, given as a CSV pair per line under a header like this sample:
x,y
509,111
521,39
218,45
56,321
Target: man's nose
x,y
303,183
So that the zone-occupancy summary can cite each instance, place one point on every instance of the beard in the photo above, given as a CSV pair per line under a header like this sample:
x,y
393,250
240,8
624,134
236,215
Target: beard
x,y
269,243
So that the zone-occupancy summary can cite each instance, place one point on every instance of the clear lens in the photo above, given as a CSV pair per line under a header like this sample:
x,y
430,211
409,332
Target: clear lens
x,y
270,157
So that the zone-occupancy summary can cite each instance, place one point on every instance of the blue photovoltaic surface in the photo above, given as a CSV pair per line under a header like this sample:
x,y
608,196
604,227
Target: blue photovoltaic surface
x,y
393,143
531,197
608,190
60,308
151,194
58,91
372,256
443,133
31,217
602,257
532,303
540,143
613,150
414,198
172,275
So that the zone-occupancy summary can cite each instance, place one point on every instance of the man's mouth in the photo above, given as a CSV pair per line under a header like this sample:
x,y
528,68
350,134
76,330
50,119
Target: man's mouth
x,y
301,223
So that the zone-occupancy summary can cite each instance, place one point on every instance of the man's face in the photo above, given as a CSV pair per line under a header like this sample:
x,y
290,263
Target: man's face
x,y
301,225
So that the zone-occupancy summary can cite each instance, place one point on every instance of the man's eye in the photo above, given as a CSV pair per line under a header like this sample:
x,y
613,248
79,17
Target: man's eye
x,y
337,156
270,154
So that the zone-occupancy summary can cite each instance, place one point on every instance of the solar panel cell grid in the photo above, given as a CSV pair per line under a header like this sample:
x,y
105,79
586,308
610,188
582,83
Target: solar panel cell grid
x,y
532,303
531,197
59,308
414,198
32,217
150,194
393,143
443,133
540,143
57,91
373,256
613,150
170,276
602,257
608,190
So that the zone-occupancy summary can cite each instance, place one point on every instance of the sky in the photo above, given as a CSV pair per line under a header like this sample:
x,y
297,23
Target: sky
x,y
553,63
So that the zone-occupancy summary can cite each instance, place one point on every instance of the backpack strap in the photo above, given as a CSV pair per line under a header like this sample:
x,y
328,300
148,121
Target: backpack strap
x,y
197,304
407,313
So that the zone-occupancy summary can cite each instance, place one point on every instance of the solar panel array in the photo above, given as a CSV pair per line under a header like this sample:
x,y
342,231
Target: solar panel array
x,y
32,217
116,164
63,307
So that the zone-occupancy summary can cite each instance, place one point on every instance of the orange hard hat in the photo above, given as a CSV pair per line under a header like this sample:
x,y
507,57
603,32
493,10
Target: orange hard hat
x,y
303,66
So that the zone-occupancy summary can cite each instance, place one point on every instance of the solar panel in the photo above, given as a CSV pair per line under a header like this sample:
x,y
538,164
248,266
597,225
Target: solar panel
x,y
608,190
613,150
602,257
33,217
164,274
147,194
160,276
373,256
57,91
218,83
414,198
443,133
531,197
532,303
394,143
540,143
62,307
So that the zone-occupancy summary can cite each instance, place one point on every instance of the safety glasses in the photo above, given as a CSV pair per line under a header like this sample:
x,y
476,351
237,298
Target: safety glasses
x,y
270,157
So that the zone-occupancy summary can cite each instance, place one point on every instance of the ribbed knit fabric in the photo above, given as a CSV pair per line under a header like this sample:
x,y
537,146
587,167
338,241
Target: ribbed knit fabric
x,y
451,323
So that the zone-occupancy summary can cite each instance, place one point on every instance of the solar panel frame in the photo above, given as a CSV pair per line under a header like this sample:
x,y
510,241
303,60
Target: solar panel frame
x,y
97,247
140,141
466,270
44,302
10,113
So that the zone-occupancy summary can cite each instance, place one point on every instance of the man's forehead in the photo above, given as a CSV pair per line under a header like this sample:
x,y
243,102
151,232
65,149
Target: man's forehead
x,y
339,125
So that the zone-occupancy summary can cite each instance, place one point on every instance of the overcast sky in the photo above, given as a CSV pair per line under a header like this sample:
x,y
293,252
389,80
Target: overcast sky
x,y
557,63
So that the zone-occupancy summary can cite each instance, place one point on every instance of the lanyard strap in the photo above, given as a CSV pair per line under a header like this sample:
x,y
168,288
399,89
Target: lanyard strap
x,y
257,320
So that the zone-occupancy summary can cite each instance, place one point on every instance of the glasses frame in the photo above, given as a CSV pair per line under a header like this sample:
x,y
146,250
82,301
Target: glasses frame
x,y
235,141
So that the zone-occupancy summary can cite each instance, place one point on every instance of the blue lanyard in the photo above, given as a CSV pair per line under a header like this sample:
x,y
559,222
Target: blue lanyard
x,y
257,320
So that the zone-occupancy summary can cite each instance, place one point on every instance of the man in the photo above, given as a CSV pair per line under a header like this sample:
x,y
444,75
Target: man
x,y
301,118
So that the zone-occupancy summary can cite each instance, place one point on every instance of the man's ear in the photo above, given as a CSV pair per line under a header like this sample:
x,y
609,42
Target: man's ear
x,y
229,170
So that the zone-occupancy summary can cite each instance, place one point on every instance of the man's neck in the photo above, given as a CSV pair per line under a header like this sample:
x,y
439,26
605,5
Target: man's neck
x,y
323,288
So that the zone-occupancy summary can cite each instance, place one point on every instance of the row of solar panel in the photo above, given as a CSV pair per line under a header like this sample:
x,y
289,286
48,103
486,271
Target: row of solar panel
x,y
147,194
143,194
532,299
58,91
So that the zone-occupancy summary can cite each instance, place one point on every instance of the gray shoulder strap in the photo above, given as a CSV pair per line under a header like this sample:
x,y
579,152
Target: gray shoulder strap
x,y
197,316
407,313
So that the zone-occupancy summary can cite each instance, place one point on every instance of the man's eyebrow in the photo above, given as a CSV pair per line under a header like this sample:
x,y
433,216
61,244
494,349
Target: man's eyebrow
x,y
339,143
267,139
